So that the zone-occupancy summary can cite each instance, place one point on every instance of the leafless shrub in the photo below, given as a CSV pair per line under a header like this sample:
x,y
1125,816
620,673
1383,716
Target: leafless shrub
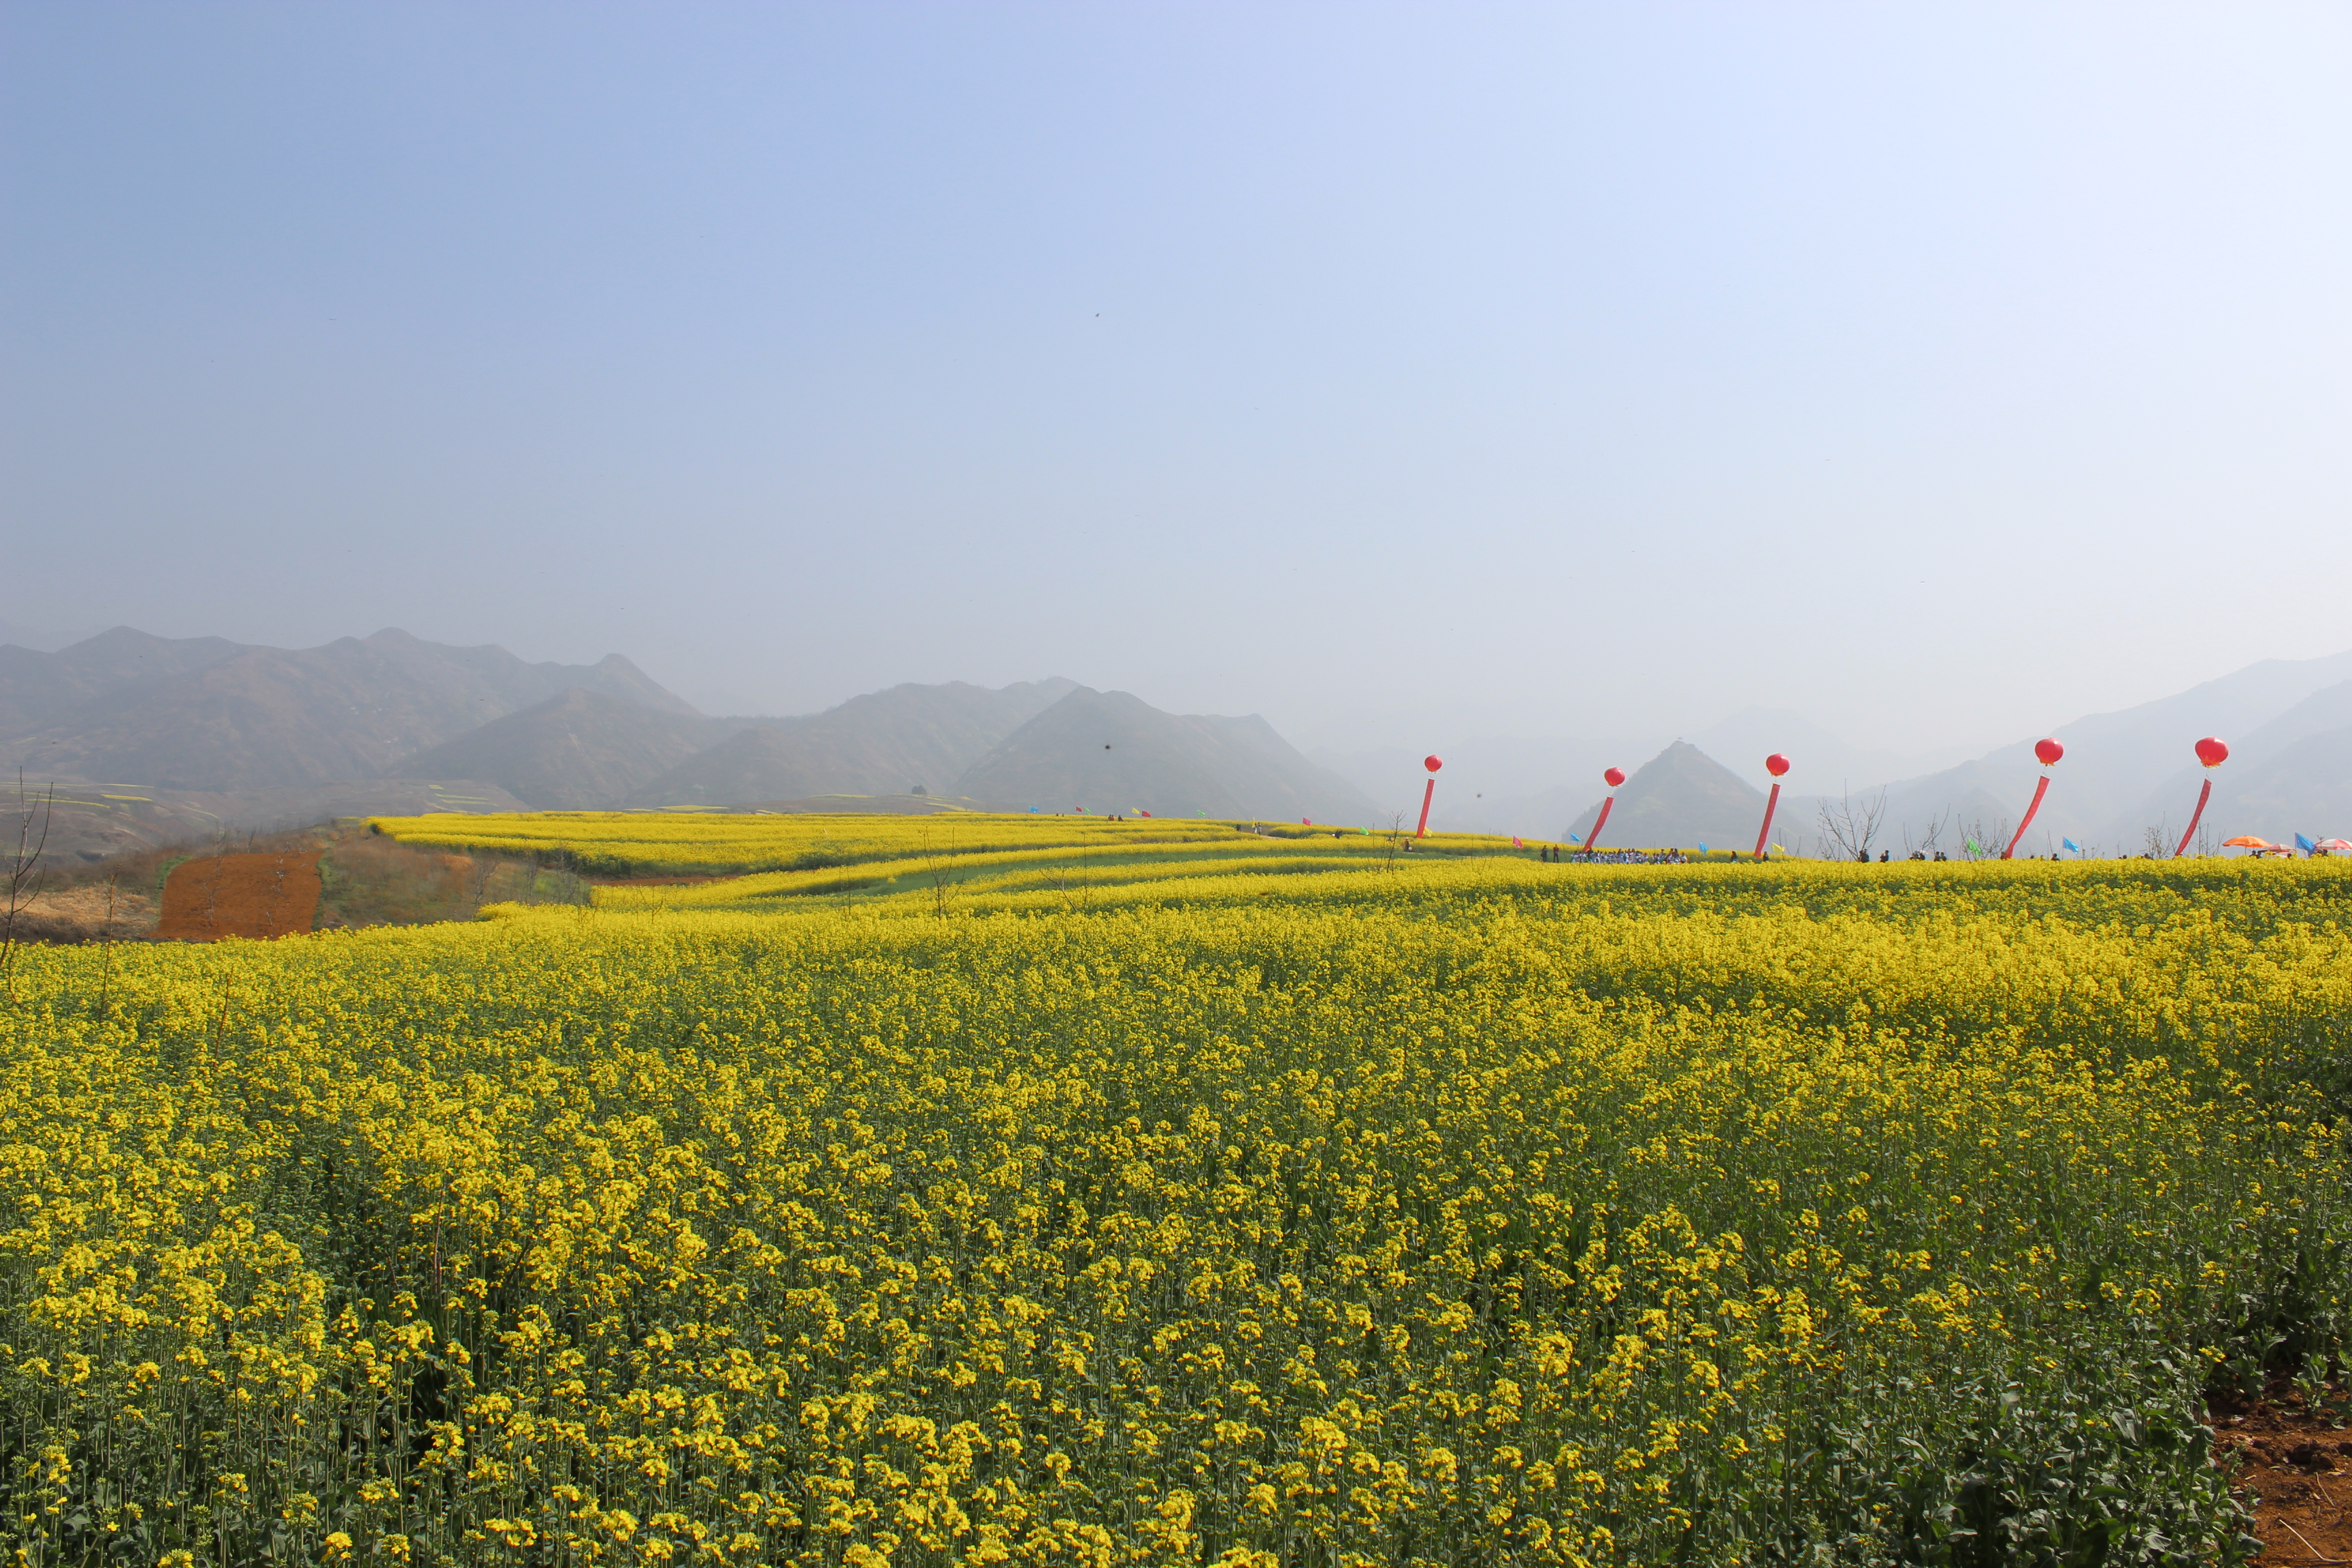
x,y
1979,842
1926,843
1849,826
23,872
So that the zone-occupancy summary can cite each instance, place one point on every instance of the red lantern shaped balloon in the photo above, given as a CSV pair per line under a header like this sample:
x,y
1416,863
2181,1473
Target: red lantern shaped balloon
x,y
1616,777
2046,752
2212,753
1776,764
1432,762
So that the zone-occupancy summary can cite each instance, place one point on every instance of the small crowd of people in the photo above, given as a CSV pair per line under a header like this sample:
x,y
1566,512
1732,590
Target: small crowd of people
x,y
1555,852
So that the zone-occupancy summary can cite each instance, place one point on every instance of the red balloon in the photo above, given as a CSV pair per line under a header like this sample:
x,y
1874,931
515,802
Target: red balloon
x,y
1432,764
1616,777
2048,750
1776,764
2211,752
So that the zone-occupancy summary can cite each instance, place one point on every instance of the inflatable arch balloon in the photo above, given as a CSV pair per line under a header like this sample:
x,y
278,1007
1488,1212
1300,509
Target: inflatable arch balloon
x,y
2046,752
1432,762
1613,777
1778,766
2211,754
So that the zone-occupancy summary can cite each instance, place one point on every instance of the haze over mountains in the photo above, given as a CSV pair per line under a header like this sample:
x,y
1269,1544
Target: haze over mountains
x,y
158,738
2288,723
155,738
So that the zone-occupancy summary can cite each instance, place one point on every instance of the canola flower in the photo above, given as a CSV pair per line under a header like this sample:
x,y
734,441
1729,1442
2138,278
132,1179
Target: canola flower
x,y
1464,1213
622,843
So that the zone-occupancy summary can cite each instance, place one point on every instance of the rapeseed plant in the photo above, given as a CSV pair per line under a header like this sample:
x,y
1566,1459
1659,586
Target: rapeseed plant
x,y
1484,1212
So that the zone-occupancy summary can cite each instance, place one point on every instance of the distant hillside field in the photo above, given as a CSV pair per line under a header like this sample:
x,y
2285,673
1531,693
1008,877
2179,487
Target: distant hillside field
x,y
627,844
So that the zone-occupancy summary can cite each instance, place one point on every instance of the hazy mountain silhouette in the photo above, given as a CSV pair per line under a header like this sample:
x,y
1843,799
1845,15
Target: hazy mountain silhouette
x,y
884,742
240,734
1680,798
183,715
1112,752
2290,775
1743,741
33,686
578,751
2130,770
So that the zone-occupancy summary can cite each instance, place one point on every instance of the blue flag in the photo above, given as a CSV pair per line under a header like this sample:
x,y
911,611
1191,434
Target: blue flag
x,y
2306,845
1702,848
2071,845
1572,838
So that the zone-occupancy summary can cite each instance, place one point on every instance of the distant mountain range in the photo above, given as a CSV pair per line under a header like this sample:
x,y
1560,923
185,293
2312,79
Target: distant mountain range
x,y
1111,748
892,741
2131,774
204,713
1681,797
154,738
2125,777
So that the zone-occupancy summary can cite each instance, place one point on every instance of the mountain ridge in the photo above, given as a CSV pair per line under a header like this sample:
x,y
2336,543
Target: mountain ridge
x,y
1111,752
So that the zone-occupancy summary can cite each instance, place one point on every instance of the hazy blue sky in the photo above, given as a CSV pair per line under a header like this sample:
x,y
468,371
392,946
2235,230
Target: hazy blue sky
x,y
1395,372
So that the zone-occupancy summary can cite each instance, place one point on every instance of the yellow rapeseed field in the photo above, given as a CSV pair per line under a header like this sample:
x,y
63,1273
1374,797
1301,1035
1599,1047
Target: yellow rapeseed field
x,y
1312,1208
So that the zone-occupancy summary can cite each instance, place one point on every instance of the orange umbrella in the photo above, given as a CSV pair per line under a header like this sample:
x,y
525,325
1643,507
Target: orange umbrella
x,y
2247,841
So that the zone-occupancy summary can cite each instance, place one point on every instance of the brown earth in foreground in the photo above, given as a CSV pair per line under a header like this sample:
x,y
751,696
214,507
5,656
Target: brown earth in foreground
x,y
261,895
2295,1472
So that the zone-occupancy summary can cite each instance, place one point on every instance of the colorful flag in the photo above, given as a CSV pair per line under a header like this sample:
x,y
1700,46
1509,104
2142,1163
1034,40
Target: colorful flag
x,y
1702,848
1572,838
2071,845
1515,842
2306,845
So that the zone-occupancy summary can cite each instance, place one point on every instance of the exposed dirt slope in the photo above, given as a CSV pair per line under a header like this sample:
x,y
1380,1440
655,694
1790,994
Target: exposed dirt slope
x,y
261,895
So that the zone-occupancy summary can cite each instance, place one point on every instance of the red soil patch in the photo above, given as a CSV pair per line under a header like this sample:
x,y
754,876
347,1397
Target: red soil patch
x,y
2294,1471
240,895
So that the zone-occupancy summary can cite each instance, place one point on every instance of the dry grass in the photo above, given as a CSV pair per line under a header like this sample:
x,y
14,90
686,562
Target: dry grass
x,y
367,879
87,912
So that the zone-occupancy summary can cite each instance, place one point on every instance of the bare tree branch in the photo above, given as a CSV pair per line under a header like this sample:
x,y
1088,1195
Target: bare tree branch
x,y
23,873
1851,827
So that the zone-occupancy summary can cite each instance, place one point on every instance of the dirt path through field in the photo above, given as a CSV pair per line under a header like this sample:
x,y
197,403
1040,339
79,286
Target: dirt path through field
x,y
240,895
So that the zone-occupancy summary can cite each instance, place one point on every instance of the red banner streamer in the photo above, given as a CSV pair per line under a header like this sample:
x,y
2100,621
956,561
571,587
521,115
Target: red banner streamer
x,y
2203,797
1593,838
2039,791
1422,831
1766,831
